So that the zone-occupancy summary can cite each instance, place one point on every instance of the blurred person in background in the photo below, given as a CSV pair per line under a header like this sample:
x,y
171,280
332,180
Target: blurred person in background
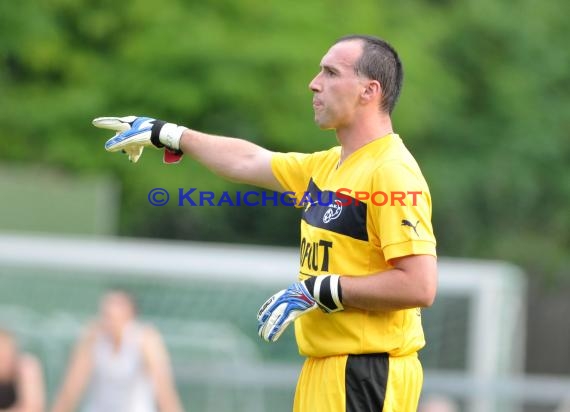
x,y
564,405
438,403
21,378
124,364
369,267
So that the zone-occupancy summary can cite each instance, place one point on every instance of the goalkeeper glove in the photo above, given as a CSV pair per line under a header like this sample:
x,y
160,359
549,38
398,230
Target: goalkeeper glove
x,y
301,297
134,133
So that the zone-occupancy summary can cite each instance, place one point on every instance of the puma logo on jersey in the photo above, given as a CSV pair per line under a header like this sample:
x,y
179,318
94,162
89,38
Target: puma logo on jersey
x,y
408,223
333,212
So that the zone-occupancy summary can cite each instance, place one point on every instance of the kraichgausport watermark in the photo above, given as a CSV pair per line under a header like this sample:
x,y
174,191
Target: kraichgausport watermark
x,y
342,197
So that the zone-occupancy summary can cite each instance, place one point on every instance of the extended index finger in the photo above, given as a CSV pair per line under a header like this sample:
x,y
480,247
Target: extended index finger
x,y
119,124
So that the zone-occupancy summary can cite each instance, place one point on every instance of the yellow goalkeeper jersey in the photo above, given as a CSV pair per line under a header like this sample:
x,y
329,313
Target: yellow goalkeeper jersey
x,y
356,217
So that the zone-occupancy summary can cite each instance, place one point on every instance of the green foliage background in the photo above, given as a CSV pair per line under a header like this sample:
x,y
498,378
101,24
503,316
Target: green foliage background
x,y
485,106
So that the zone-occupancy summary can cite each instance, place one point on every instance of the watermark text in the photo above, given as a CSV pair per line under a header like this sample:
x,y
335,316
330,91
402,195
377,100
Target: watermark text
x,y
343,197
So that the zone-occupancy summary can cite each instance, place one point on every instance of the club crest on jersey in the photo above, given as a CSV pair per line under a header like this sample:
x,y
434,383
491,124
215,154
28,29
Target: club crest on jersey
x,y
333,212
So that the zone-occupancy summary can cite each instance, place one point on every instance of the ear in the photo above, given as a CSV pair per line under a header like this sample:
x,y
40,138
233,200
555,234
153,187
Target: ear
x,y
372,91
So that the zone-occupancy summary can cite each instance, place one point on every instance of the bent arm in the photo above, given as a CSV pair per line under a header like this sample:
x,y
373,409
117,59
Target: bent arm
x,y
31,388
158,363
77,375
412,283
231,158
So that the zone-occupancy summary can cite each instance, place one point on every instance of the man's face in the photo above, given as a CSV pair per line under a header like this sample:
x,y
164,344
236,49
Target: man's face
x,y
337,88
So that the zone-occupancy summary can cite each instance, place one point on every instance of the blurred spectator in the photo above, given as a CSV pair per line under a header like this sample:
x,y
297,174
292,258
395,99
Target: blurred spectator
x,y
438,403
124,361
21,378
564,406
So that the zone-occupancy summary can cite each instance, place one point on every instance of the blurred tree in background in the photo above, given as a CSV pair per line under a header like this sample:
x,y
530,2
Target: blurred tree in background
x,y
485,106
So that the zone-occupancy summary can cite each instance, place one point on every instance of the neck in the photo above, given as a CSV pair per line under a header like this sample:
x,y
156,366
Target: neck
x,y
116,332
362,132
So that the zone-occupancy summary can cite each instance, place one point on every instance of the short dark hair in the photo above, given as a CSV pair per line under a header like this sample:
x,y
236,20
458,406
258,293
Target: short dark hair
x,y
379,61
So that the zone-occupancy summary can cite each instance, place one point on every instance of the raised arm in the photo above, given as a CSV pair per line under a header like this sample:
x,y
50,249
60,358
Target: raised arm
x,y
232,158
77,375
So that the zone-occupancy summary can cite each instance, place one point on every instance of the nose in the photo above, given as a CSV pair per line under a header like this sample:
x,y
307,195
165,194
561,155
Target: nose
x,y
315,84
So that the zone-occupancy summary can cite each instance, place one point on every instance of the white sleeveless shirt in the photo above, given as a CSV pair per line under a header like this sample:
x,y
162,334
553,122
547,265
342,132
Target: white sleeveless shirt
x,y
120,382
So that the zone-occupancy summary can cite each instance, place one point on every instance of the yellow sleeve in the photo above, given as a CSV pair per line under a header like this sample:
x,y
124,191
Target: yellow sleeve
x,y
401,211
293,171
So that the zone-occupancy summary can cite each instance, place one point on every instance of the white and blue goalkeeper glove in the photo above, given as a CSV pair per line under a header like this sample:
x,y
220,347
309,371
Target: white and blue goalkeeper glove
x,y
134,133
301,297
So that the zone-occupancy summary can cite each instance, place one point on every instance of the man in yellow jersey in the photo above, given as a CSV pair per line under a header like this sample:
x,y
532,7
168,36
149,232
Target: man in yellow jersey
x,y
368,257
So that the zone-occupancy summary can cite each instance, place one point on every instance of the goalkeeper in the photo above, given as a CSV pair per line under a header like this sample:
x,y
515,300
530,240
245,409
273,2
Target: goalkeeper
x,y
366,270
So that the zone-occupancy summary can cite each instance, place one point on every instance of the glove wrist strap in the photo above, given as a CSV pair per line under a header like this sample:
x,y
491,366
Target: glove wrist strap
x,y
326,291
165,134
155,133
